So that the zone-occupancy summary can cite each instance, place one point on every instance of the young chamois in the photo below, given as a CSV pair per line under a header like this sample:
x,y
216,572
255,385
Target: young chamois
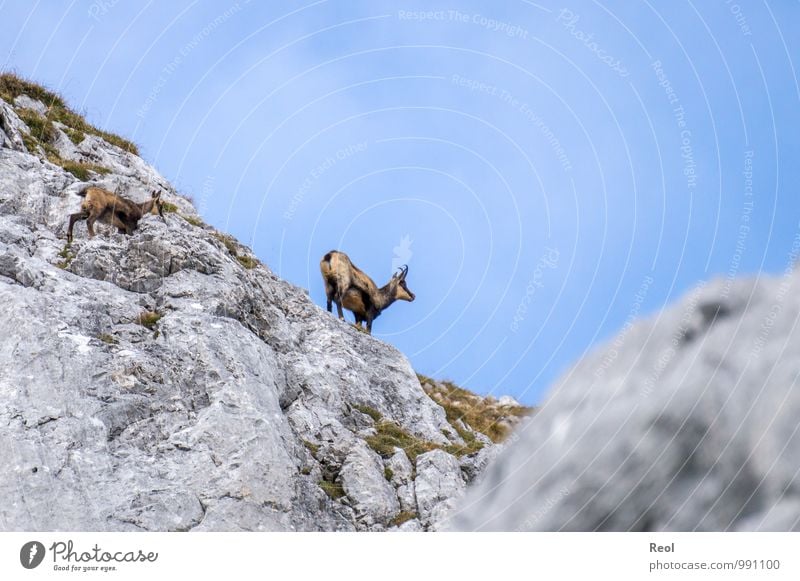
x,y
348,287
100,204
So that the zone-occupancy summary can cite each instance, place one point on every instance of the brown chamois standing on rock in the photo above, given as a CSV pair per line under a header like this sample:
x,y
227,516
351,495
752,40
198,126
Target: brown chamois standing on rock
x,y
100,204
349,287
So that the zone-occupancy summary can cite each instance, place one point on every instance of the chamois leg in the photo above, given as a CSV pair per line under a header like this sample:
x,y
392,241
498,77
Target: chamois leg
x,y
72,219
90,225
338,299
329,297
369,325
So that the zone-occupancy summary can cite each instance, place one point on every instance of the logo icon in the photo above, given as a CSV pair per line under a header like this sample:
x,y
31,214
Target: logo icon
x,y
31,554
402,252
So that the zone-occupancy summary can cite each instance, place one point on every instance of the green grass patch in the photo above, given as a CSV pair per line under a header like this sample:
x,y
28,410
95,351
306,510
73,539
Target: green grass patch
x,y
229,242
481,414
149,319
30,142
312,447
332,489
74,135
388,473
193,221
247,261
401,517
78,123
107,339
11,86
371,412
234,248
66,257
82,171
43,134
389,436
41,128
168,207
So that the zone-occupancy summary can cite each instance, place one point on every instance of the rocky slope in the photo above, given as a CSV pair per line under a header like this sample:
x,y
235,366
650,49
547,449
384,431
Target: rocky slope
x,y
168,381
686,421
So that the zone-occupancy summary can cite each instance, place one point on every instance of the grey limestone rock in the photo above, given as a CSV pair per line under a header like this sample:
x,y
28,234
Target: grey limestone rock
x,y
155,382
686,421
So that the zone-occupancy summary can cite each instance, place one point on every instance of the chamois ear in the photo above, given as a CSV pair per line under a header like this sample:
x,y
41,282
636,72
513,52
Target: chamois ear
x,y
155,194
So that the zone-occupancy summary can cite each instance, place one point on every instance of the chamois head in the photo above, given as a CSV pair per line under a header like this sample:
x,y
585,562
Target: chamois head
x,y
397,285
157,206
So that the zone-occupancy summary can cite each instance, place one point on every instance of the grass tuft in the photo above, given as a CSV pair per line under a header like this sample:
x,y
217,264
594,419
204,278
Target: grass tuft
x,y
66,257
481,414
42,129
74,135
149,319
193,221
229,243
401,517
79,169
12,86
233,248
332,489
247,261
389,436
43,134
108,339
371,412
312,447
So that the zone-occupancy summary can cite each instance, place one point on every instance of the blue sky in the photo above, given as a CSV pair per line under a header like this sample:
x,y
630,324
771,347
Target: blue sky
x,y
547,170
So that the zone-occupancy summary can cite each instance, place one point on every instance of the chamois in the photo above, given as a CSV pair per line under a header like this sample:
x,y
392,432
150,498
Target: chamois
x,y
100,204
349,287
